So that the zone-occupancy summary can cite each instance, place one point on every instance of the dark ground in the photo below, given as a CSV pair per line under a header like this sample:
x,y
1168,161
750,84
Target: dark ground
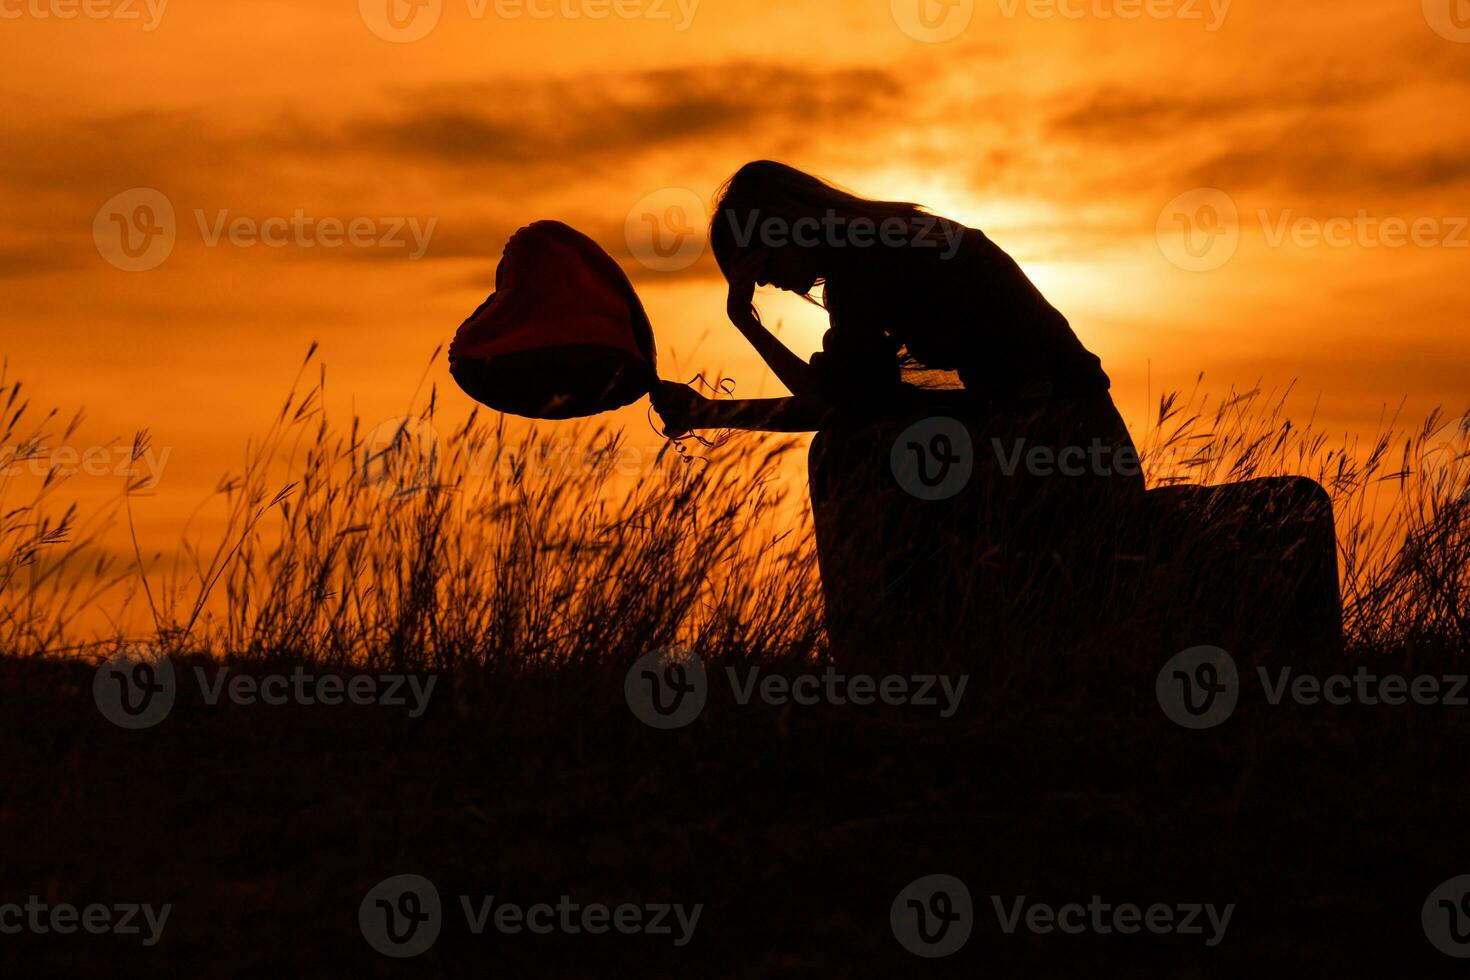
x,y
796,827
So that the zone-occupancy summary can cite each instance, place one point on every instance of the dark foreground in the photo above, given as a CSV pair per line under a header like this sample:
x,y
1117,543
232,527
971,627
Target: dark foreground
x,y
795,827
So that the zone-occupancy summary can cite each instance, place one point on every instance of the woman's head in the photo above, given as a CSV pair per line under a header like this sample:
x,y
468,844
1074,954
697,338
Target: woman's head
x,y
807,228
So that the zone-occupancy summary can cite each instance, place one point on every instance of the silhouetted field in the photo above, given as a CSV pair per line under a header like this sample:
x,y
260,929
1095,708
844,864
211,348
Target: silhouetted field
x,y
524,584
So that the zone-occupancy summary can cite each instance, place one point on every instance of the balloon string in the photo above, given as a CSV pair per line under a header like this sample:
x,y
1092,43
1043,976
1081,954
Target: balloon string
x,y
726,386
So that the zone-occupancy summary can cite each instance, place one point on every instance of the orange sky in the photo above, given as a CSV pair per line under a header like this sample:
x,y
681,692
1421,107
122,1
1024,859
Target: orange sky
x,y
1063,128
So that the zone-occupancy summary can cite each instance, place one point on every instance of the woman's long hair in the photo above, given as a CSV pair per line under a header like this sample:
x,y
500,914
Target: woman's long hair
x,y
764,190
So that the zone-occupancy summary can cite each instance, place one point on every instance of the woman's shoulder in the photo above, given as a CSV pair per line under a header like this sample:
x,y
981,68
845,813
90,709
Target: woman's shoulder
x,y
963,245
939,256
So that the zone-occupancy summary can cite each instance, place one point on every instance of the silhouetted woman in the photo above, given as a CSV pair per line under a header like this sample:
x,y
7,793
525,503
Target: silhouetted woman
x,y
937,339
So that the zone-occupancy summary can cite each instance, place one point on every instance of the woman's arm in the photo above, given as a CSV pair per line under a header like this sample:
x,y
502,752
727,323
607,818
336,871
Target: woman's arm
x,y
684,410
799,413
791,370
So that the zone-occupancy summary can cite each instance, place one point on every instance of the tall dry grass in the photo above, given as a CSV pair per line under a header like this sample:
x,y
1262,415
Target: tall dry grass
x,y
1401,502
50,567
415,544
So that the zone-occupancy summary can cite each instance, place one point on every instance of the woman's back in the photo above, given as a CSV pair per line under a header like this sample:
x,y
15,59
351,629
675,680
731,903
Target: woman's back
x,y
970,310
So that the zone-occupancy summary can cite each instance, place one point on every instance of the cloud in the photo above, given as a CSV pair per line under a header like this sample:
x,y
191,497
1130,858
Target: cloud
x,y
1114,114
556,124
615,117
40,259
1314,138
1341,169
481,157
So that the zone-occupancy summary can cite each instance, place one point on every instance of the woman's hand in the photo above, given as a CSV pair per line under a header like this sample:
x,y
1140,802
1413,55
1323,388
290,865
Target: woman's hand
x,y
679,406
740,305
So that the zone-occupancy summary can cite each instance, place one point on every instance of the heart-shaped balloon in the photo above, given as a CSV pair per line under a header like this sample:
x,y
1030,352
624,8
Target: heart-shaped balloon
x,y
563,335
